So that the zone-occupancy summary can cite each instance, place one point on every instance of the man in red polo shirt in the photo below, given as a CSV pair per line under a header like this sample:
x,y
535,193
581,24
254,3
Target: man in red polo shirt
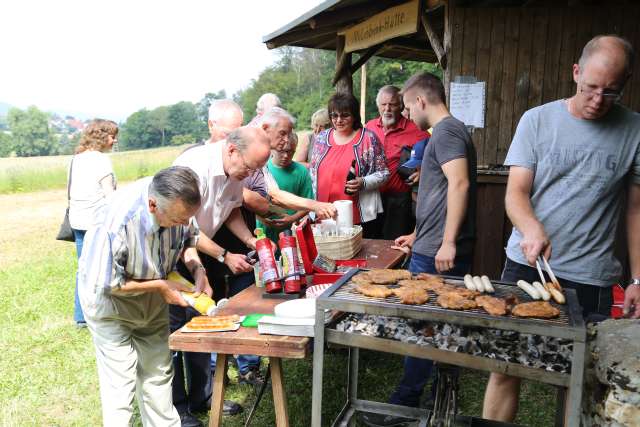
x,y
394,132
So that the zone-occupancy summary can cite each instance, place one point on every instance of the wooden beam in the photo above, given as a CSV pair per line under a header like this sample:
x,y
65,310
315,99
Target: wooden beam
x,y
434,40
347,15
343,80
293,37
365,57
447,47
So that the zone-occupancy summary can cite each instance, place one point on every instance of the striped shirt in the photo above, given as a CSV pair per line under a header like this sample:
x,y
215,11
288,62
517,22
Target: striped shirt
x,y
127,244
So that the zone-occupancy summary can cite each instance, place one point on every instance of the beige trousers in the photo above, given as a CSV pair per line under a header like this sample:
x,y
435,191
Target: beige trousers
x,y
132,353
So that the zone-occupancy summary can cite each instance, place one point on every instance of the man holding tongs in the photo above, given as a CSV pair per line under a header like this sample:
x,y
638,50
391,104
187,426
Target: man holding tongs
x,y
572,163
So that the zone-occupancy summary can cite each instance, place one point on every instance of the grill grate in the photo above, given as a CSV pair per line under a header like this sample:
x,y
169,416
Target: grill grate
x,y
348,293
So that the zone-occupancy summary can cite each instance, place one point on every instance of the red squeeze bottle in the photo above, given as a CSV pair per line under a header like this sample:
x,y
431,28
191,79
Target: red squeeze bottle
x,y
267,263
293,279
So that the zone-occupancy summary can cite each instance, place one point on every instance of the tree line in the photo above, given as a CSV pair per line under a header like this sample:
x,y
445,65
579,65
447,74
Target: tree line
x,y
300,77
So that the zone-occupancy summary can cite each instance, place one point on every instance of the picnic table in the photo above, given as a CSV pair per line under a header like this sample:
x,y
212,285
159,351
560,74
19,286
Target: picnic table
x,y
378,254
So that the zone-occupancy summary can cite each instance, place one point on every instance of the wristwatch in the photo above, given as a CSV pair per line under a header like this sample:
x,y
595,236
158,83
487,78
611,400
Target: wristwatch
x,y
635,281
220,257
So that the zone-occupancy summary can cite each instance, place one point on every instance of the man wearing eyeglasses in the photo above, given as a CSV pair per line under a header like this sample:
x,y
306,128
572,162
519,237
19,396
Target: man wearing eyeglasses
x,y
221,169
570,160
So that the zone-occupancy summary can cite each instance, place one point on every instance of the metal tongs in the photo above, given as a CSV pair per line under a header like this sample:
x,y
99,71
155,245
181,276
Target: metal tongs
x,y
552,287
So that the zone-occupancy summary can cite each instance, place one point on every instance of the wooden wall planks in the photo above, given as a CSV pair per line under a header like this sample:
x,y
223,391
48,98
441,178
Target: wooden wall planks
x,y
526,56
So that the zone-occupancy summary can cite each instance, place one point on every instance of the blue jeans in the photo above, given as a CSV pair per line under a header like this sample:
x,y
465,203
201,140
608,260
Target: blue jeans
x,y
417,371
78,317
245,361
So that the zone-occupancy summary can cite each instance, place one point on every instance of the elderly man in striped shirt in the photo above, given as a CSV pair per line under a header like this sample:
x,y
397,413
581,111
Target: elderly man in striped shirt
x,y
124,291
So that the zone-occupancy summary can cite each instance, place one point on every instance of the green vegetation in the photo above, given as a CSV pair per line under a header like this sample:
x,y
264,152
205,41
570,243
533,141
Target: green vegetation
x,y
20,175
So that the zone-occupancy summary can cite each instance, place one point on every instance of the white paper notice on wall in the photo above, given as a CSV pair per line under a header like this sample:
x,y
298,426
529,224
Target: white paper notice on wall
x,y
467,103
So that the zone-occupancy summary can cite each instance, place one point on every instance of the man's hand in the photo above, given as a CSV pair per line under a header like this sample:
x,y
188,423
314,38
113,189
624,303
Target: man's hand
x,y
535,242
353,186
414,178
406,240
237,263
324,210
284,222
202,283
445,257
631,299
171,293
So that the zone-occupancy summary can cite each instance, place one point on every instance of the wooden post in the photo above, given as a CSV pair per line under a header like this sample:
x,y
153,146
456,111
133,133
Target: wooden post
x,y
446,47
363,92
344,79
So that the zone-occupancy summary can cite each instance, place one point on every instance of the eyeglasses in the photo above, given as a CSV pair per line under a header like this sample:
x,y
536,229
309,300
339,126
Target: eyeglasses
x,y
606,94
336,116
245,165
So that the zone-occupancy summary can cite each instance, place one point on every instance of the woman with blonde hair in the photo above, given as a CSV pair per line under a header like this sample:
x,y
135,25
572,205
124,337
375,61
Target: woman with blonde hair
x,y
91,180
319,122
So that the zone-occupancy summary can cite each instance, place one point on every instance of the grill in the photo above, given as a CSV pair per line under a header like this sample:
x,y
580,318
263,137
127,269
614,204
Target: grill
x,y
342,297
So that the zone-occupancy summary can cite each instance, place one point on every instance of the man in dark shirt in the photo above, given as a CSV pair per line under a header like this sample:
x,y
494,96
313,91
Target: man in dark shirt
x,y
443,239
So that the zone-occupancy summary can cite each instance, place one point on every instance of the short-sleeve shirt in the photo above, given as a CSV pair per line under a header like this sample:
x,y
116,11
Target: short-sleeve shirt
x,y
580,169
127,244
449,141
87,196
220,193
294,179
405,134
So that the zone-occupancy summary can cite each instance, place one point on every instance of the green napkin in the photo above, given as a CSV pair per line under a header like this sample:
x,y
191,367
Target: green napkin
x,y
251,320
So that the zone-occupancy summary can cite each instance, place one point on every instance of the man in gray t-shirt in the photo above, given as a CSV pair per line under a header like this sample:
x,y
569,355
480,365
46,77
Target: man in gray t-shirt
x,y
572,161
443,239
450,140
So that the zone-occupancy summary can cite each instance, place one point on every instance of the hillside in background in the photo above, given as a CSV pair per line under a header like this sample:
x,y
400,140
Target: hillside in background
x,y
300,77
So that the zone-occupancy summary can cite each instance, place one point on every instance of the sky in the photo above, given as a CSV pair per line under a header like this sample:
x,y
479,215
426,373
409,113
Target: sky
x,y
111,58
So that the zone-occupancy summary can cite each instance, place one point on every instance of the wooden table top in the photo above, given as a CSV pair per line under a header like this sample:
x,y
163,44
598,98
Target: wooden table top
x,y
378,254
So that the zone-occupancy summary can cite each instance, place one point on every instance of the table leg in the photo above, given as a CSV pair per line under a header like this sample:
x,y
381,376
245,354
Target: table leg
x,y
279,397
217,398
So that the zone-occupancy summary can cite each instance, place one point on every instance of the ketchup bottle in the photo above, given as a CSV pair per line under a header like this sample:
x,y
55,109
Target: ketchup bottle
x,y
267,263
291,273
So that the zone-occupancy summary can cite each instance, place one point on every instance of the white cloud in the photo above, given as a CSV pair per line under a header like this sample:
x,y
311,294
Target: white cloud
x,y
111,58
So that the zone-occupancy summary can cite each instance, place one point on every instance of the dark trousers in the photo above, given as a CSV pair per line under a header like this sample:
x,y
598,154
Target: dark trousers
x,y
595,300
398,218
191,393
417,371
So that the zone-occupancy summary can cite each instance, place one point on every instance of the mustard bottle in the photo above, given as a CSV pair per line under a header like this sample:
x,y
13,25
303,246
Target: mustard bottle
x,y
203,304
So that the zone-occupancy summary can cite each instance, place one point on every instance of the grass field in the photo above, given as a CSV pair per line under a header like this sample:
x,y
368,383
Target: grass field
x,y
28,174
47,369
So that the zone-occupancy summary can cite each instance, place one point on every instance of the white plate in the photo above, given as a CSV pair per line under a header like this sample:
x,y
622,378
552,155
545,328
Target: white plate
x,y
235,327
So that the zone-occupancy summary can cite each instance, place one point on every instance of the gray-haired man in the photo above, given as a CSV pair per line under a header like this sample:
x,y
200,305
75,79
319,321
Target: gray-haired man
x,y
124,291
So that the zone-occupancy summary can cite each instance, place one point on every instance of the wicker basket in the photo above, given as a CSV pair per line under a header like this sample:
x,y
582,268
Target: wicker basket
x,y
340,247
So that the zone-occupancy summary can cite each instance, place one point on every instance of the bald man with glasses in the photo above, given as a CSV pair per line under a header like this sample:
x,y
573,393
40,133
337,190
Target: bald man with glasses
x,y
572,162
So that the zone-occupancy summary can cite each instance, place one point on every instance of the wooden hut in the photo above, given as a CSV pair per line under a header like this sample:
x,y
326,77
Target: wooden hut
x,y
522,49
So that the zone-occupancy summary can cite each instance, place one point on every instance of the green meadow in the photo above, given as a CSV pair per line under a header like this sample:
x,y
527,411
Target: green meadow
x,y
28,174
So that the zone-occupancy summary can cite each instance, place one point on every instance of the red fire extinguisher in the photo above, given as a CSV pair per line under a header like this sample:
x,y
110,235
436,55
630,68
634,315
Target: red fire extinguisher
x,y
267,261
293,279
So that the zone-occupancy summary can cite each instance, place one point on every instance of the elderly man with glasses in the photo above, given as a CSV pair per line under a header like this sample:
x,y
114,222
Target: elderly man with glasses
x,y
572,162
221,169
123,288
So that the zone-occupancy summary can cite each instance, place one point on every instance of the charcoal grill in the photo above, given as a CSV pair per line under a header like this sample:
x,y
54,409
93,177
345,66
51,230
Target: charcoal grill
x,y
341,297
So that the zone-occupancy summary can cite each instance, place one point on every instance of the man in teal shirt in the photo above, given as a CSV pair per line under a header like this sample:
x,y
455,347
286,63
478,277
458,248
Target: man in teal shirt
x,y
292,177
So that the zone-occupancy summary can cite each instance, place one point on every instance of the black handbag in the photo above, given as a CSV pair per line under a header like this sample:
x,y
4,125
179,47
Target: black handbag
x,y
66,233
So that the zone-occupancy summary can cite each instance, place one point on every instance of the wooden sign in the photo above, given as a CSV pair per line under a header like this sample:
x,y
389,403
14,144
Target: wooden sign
x,y
393,22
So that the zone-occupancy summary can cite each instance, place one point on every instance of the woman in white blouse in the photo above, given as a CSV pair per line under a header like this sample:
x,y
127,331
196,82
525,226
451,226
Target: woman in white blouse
x,y
92,180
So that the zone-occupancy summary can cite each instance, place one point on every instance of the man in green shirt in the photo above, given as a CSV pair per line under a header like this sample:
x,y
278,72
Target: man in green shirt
x,y
292,177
